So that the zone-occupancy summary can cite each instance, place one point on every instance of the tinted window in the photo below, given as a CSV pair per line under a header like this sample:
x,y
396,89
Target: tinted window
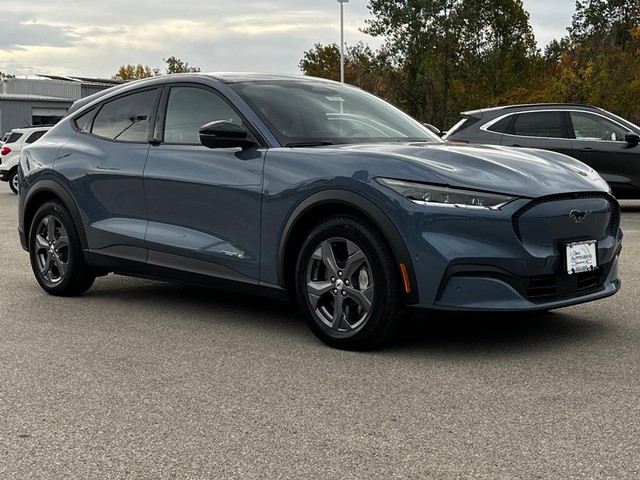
x,y
84,121
501,125
35,136
14,137
126,118
593,127
189,108
538,124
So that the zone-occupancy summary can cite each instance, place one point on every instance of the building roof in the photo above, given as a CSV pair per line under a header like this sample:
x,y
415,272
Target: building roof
x,y
28,97
85,80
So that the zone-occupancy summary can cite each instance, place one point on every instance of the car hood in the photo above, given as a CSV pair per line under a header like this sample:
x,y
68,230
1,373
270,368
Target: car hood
x,y
516,171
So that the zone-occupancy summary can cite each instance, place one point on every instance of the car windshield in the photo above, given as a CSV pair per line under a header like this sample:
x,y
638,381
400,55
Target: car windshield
x,y
303,113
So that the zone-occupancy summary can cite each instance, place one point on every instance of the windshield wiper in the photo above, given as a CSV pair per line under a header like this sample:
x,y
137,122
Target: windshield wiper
x,y
319,143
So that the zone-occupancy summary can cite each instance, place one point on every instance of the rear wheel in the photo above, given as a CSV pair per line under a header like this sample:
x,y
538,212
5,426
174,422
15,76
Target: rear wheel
x,y
13,180
55,252
348,284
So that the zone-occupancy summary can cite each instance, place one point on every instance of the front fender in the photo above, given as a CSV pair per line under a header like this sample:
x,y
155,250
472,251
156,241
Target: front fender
x,y
364,207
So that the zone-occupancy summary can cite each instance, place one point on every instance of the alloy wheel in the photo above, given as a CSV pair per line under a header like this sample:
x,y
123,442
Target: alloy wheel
x,y
51,250
339,284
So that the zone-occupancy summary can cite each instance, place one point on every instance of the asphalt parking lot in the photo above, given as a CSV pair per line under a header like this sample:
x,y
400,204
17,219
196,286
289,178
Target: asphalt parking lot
x,y
142,379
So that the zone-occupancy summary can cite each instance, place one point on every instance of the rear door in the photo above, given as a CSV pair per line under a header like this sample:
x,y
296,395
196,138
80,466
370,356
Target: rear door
x,y
104,164
204,205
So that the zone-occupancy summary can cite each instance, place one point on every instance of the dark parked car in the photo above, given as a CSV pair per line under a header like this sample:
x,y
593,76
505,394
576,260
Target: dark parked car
x,y
310,189
602,140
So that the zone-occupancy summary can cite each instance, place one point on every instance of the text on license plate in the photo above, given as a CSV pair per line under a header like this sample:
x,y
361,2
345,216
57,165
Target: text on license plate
x,y
581,256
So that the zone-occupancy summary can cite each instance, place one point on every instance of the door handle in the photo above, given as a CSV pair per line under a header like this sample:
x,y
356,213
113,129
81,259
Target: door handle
x,y
586,149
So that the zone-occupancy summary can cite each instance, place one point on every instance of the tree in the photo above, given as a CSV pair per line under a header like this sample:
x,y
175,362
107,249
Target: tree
x,y
363,67
135,72
455,53
6,76
175,65
599,62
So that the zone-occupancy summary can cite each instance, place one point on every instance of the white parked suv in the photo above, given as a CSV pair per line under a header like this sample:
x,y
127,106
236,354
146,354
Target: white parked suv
x,y
10,152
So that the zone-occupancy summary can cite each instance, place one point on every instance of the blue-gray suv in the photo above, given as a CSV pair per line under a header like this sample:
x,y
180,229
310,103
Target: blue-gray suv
x,y
314,190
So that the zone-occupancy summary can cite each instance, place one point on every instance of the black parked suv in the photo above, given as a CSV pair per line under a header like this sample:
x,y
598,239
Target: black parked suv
x,y
602,140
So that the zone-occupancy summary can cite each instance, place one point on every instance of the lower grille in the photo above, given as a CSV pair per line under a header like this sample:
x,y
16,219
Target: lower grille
x,y
558,286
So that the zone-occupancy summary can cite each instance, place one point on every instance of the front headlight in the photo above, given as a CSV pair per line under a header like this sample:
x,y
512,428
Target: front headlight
x,y
436,195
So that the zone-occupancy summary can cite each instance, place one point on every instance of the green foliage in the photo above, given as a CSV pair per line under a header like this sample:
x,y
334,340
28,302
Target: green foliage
x,y
442,57
599,62
6,76
135,72
364,68
175,65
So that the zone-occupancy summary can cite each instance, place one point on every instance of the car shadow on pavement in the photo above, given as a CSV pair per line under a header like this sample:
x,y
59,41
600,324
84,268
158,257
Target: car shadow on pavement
x,y
196,300
427,332
482,332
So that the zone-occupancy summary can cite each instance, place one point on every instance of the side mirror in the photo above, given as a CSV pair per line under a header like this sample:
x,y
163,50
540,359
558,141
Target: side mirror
x,y
632,138
224,134
433,129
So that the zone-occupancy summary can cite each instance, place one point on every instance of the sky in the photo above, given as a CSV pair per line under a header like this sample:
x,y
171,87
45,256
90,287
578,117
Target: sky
x,y
91,39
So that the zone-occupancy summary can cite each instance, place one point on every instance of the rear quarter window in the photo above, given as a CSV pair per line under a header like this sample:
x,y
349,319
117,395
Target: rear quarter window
x,y
35,136
125,119
14,137
501,125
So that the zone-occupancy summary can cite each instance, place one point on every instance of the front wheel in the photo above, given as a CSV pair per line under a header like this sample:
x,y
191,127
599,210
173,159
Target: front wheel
x,y
55,252
348,284
13,180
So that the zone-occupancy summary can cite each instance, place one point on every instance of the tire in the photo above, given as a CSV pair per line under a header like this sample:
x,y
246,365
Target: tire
x,y
13,180
348,284
56,256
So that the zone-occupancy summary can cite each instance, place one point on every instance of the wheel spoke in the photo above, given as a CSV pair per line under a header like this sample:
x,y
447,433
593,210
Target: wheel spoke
x,y
51,227
328,258
364,298
41,243
355,260
46,267
62,266
62,242
338,313
316,289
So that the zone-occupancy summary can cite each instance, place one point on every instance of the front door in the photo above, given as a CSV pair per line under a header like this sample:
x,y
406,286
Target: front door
x,y
204,205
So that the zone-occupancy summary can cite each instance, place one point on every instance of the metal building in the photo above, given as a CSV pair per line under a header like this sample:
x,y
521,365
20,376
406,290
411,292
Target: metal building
x,y
26,102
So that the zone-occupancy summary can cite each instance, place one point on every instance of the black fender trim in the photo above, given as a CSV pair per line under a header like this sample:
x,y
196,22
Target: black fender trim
x,y
51,186
368,210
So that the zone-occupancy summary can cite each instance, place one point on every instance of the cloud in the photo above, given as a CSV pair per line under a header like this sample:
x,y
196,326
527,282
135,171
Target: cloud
x,y
88,39
15,35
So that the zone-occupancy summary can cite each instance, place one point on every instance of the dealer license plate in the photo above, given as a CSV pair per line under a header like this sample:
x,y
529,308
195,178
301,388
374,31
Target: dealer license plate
x,y
581,256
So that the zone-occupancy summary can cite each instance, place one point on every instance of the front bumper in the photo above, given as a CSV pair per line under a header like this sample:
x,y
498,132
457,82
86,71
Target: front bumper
x,y
514,259
490,293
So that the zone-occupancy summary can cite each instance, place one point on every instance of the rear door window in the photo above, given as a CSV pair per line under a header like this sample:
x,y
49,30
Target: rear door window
x,y
538,124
